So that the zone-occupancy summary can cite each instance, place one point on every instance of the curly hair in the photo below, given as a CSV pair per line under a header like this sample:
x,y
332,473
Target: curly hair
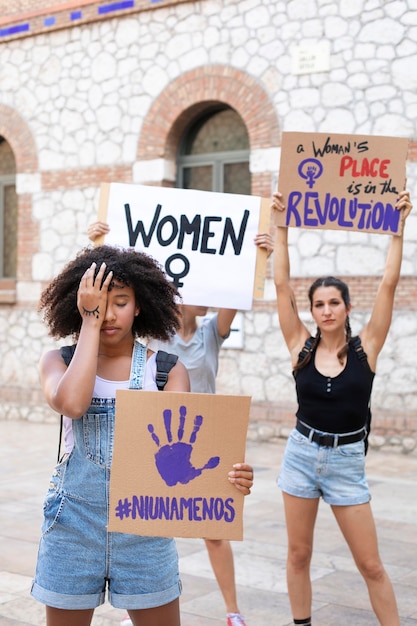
x,y
157,297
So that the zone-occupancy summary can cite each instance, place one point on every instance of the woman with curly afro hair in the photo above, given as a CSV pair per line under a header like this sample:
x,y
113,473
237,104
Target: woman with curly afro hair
x,y
154,295
105,299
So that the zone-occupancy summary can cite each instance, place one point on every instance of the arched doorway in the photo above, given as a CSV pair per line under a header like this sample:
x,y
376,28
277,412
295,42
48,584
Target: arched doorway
x,y
8,211
214,153
191,95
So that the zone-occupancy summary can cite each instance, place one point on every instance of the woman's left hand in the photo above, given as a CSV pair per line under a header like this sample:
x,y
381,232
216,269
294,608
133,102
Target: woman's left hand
x,y
92,294
242,477
265,241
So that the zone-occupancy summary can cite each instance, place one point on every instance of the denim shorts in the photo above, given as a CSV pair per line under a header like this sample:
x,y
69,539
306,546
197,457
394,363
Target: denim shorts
x,y
78,559
335,474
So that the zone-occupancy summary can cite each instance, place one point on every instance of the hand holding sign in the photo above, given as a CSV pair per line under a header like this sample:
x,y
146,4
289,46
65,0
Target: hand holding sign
x,y
173,460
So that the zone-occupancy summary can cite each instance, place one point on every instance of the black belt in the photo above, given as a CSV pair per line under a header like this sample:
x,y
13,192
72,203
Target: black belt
x,y
327,439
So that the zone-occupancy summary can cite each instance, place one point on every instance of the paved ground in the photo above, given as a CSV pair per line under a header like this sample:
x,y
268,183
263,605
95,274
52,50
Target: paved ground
x,y
27,454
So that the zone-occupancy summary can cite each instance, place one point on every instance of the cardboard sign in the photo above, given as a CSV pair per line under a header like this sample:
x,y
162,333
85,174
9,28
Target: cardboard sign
x,y
172,454
342,182
203,240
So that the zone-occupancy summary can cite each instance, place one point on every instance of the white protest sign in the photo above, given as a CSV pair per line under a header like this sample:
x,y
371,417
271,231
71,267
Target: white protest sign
x,y
203,240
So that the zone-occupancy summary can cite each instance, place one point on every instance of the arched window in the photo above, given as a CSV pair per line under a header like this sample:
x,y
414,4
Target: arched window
x,y
8,212
214,154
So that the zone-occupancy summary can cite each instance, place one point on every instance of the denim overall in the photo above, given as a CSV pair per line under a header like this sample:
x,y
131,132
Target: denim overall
x,y
78,559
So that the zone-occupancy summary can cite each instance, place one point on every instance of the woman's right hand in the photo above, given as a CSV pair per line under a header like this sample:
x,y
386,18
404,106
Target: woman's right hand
x,y
404,203
92,293
277,202
242,477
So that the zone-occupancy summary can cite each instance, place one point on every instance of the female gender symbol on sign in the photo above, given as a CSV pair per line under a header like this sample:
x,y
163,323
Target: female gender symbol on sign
x,y
310,170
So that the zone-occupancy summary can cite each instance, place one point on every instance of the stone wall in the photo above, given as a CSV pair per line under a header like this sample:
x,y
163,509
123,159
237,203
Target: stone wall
x,y
108,100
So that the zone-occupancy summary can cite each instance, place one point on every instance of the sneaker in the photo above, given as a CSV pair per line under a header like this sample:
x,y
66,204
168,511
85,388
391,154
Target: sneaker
x,y
235,619
126,621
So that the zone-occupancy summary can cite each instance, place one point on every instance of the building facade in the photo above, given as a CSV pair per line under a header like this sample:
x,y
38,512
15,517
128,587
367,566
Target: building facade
x,y
197,94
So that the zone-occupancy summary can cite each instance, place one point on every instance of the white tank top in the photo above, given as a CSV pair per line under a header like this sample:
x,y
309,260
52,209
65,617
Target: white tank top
x,y
107,389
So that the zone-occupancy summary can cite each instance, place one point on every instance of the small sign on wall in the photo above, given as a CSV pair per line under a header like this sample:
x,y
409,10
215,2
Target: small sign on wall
x,y
310,58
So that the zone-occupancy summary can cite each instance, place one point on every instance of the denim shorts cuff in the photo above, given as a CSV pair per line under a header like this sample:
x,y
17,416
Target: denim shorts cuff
x,y
145,600
66,601
297,493
347,501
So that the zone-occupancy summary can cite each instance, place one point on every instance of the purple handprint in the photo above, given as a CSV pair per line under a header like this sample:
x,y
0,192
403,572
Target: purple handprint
x,y
173,460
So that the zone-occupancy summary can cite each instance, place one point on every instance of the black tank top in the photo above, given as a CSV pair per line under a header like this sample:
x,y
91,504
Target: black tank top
x,y
339,404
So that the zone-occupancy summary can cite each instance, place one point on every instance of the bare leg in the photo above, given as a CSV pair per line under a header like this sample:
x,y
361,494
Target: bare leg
x,y
300,515
221,559
64,617
168,614
358,527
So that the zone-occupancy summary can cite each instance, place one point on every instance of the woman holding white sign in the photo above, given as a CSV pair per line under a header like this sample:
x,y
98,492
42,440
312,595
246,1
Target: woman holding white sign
x,y
325,453
106,298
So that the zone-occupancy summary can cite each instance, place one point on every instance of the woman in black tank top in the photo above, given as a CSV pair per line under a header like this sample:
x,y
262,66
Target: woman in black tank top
x,y
325,453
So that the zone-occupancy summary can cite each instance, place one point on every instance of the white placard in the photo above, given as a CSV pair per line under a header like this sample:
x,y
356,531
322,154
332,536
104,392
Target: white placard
x,y
204,240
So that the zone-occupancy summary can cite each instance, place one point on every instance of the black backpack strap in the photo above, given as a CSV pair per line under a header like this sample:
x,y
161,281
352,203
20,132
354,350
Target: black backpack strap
x,y
305,349
356,343
67,352
165,361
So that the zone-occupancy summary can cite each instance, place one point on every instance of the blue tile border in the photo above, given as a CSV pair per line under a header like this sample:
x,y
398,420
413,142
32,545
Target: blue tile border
x,y
67,18
115,6
14,30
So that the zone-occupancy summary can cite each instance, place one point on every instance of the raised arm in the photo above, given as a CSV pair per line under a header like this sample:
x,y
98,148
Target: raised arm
x,y
375,332
225,319
226,316
293,330
69,390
